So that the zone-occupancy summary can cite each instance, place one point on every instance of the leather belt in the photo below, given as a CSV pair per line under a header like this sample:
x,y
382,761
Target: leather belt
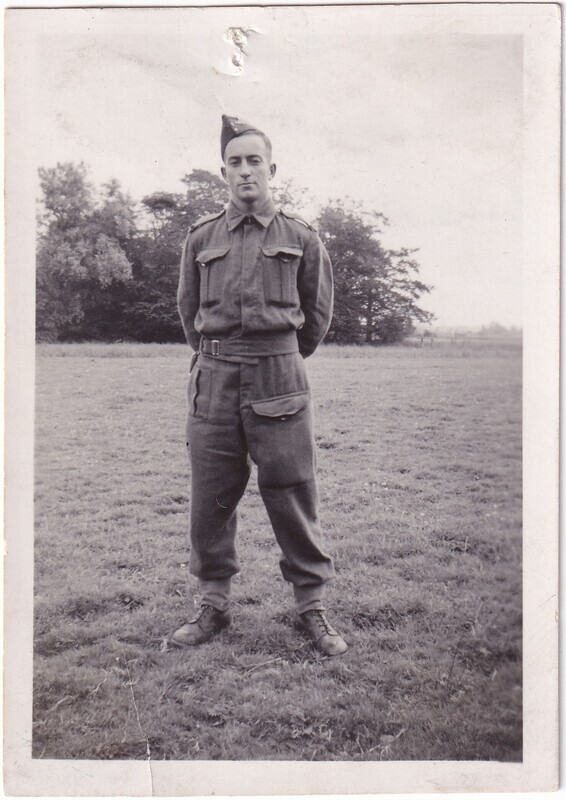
x,y
263,345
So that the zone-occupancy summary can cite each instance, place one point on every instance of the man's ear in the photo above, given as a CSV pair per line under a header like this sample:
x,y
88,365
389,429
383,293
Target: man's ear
x,y
223,171
272,170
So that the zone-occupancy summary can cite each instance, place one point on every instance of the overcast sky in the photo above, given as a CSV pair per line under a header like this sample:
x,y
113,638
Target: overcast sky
x,y
418,116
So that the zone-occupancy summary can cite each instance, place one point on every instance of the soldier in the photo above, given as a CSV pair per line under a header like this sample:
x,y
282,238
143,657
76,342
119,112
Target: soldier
x,y
255,299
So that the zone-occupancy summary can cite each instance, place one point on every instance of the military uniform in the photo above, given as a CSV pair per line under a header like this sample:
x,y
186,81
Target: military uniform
x,y
255,298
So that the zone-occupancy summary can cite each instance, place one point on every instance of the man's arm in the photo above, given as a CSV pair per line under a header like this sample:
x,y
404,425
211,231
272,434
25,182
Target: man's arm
x,y
316,292
188,294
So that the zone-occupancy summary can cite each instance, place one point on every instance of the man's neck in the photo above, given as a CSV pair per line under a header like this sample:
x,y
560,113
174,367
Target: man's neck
x,y
250,208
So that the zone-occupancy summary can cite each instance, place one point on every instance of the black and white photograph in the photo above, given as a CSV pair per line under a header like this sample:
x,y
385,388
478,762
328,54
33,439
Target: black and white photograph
x,y
281,405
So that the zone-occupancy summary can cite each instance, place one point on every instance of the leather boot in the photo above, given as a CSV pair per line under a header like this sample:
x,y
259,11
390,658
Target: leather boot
x,y
324,637
206,623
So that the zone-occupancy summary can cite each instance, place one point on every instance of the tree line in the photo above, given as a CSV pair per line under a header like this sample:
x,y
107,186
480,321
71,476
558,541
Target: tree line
x,y
107,267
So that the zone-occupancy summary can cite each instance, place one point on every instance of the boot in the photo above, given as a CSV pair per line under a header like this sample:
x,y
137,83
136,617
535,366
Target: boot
x,y
206,623
324,637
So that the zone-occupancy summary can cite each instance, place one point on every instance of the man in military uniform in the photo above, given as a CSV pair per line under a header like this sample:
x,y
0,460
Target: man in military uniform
x,y
255,299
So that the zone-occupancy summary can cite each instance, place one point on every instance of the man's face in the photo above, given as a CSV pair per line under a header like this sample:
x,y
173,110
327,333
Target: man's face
x,y
248,169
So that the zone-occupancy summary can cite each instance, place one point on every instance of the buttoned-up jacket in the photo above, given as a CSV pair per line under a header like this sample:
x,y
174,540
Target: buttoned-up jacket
x,y
247,275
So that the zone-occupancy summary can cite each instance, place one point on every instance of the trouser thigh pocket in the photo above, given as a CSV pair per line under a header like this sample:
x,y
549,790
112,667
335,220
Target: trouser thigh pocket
x,y
282,440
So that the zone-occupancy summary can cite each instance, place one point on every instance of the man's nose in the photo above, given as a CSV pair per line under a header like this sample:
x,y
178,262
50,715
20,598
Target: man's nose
x,y
244,169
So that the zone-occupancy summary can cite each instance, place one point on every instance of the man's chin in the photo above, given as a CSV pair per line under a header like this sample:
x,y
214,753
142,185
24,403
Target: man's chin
x,y
248,193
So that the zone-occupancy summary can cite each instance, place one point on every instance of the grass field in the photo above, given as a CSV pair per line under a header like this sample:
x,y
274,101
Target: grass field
x,y
420,480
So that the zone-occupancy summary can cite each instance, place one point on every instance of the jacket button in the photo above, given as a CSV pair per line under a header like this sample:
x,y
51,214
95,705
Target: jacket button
x,y
282,419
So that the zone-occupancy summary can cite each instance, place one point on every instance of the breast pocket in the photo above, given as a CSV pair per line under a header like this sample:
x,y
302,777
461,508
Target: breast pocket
x,y
212,263
280,267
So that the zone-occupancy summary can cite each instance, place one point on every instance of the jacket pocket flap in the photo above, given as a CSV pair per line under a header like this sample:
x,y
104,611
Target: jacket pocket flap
x,y
283,250
281,406
205,256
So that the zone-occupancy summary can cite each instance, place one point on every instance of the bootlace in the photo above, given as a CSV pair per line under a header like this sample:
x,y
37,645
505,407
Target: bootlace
x,y
323,624
204,609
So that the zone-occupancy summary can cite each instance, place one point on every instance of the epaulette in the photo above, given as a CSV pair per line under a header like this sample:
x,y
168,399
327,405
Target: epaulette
x,y
207,218
297,218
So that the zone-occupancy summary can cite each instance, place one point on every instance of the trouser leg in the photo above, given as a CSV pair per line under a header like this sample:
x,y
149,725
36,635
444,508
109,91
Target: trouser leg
x,y
293,514
219,471
282,446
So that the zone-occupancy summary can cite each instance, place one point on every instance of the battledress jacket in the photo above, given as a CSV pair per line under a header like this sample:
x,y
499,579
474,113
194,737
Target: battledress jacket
x,y
247,275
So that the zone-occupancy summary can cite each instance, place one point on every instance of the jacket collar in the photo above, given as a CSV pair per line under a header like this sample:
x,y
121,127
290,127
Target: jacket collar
x,y
234,215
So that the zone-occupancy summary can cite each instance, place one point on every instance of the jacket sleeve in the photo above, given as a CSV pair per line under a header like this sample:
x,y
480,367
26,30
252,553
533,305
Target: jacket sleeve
x,y
316,293
188,293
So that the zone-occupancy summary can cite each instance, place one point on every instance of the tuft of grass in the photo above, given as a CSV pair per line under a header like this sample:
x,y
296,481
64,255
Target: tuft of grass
x,y
419,462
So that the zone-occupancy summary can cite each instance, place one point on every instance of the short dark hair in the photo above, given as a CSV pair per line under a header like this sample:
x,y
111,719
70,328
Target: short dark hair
x,y
261,134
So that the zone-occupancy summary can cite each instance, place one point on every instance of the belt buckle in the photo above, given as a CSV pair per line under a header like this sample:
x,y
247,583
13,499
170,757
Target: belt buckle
x,y
215,347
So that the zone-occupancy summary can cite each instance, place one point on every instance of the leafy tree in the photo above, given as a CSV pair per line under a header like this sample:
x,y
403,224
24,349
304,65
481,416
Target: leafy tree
x,y
67,195
115,214
391,307
376,290
206,193
80,248
288,195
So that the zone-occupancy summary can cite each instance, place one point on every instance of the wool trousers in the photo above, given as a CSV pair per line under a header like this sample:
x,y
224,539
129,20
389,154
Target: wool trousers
x,y
260,410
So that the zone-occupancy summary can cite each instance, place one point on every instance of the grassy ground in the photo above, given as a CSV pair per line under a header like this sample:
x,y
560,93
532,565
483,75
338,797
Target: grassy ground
x,y
420,481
